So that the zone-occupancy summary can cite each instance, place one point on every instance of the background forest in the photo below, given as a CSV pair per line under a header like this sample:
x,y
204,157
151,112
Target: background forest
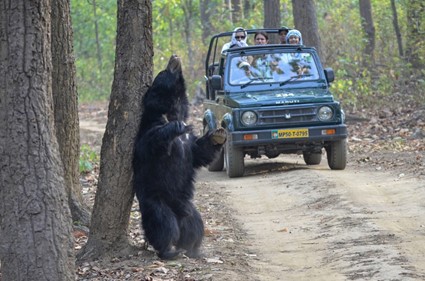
x,y
376,61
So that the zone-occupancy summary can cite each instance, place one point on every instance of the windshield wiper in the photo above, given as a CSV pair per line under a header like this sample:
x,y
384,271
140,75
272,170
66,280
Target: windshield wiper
x,y
294,78
250,81
255,79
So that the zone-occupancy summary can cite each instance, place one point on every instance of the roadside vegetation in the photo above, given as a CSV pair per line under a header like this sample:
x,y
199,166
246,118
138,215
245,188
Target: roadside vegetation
x,y
362,80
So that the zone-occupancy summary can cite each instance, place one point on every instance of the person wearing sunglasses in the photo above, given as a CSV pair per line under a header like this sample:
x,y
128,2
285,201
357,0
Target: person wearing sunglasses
x,y
239,37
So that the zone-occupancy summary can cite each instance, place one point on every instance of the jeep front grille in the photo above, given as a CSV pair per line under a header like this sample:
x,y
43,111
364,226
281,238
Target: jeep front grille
x,y
287,116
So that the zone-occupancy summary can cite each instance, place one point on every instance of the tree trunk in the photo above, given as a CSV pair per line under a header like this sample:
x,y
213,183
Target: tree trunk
x,y
397,29
305,20
237,11
188,11
96,30
35,237
133,74
247,9
272,18
206,10
415,41
369,30
65,102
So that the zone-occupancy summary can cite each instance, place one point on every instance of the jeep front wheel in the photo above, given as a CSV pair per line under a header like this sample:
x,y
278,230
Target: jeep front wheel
x,y
336,152
234,159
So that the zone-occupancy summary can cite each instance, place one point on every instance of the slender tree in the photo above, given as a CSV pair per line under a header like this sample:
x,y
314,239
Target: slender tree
x,y
369,30
305,20
206,10
397,28
237,10
66,106
415,39
272,17
35,234
133,75
189,13
247,8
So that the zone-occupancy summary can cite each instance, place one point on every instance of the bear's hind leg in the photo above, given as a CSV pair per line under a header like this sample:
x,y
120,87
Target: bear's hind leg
x,y
191,234
161,228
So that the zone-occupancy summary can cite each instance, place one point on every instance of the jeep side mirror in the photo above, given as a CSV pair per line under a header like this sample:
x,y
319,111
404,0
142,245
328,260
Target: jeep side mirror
x,y
216,82
329,74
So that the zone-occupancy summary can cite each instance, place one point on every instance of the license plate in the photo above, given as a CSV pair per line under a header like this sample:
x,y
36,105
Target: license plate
x,y
290,134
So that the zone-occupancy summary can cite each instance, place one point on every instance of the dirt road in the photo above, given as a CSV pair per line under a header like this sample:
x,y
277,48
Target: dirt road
x,y
311,223
287,221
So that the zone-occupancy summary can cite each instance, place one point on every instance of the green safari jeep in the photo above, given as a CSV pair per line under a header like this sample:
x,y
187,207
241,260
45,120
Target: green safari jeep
x,y
272,99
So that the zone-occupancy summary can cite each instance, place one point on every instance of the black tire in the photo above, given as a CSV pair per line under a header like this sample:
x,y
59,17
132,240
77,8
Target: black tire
x,y
234,157
312,158
217,164
337,154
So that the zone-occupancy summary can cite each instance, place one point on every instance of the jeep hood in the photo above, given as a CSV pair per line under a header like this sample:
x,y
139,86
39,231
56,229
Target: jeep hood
x,y
278,97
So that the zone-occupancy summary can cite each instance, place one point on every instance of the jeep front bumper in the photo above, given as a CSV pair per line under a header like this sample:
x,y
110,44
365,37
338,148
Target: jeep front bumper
x,y
289,135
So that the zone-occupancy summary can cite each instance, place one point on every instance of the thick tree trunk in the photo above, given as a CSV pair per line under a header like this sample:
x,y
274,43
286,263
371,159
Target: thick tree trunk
x,y
272,18
133,75
35,238
369,30
66,107
305,20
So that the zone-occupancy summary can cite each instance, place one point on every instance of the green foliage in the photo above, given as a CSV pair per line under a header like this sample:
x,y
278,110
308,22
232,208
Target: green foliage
x,y
177,29
94,57
88,159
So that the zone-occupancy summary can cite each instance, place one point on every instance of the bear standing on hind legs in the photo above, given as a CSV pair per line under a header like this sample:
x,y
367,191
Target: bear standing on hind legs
x,y
167,154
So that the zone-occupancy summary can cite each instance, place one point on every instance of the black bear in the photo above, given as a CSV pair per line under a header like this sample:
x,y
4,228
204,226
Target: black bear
x,y
167,155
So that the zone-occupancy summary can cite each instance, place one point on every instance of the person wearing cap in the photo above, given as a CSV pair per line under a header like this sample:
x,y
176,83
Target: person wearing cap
x,y
239,37
282,34
294,37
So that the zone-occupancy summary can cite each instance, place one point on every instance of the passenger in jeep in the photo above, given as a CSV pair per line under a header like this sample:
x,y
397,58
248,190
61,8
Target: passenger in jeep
x,y
261,38
282,34
239,38
294,37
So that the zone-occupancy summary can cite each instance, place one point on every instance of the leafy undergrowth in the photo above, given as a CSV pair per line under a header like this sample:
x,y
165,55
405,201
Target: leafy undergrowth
x,y
381,139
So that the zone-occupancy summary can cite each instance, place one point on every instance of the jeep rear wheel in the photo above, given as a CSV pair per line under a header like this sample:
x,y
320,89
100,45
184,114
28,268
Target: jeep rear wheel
x,y
337,154
311,158
217,164
234,159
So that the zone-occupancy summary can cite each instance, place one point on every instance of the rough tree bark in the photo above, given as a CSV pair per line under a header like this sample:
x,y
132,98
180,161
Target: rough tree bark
x,y
66,107
305,20
272,18
369,30
35,236
133,74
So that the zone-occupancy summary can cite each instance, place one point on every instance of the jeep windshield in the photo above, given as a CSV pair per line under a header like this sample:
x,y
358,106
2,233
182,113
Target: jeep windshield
x,y
271,67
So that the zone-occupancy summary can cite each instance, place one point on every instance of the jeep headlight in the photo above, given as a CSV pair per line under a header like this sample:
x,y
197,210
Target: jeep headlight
x,y
325,113
249,118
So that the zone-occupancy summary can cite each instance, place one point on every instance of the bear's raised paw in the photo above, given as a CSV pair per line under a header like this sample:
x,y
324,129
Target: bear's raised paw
x,y
219,136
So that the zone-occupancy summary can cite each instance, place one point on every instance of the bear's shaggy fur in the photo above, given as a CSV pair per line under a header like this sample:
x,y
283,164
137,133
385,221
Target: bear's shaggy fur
x,y
167,154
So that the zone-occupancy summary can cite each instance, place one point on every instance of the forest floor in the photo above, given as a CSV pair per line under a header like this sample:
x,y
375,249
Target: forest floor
x,y
287,221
